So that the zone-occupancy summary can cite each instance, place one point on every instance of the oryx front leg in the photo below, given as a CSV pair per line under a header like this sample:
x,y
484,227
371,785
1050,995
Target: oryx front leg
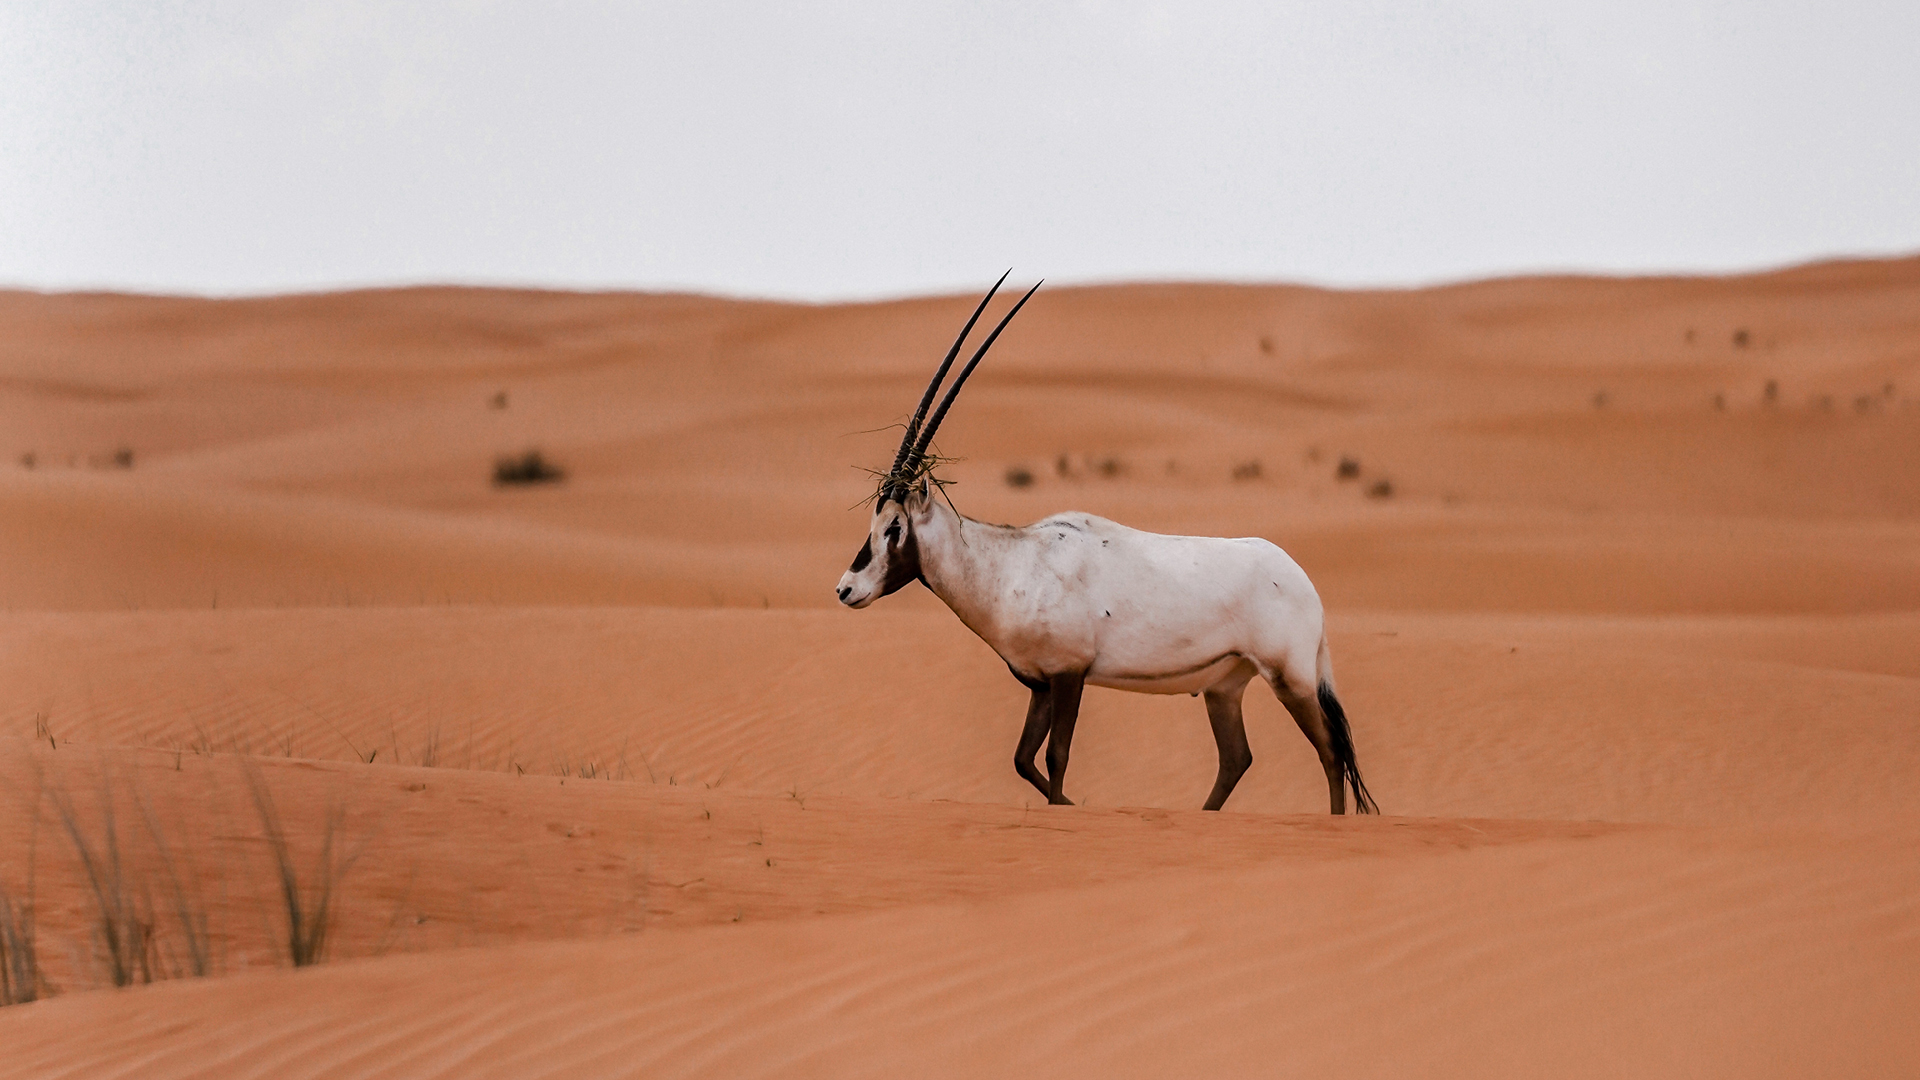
x,y
1063,692
1039,721
1229,734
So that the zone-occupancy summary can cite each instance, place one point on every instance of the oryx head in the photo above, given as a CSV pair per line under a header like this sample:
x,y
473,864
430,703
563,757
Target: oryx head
x,y
890,558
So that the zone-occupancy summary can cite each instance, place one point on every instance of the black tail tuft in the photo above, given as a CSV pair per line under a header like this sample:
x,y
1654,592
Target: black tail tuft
x,y
1342,738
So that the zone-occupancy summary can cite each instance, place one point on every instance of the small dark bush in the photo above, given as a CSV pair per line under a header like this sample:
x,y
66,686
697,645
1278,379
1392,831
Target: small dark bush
x,y
527,468
1720,402
499,400
123,458
1247,470
1381,489
1599,399
1741,338
1772,393
1109,467
1062,466
1019,476
1348,469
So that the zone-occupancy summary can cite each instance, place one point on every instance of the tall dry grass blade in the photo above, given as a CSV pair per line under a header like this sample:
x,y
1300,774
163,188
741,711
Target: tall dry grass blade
x,y
21,979
189,912
124,914
309,907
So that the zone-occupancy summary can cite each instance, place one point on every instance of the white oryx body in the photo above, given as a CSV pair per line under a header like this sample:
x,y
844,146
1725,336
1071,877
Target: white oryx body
x,y
1076,599
1133,610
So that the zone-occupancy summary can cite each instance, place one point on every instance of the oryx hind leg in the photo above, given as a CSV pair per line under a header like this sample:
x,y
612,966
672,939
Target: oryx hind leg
x,y
1229,733
1303,704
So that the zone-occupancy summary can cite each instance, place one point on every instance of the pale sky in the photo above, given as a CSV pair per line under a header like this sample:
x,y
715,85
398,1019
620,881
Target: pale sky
x,y
875,149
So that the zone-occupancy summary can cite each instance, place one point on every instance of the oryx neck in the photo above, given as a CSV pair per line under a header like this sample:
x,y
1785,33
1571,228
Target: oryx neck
x,y
959,561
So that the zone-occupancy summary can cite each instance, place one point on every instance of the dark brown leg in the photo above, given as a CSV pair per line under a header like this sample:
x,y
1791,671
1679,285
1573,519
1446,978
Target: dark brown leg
x,y
1039,719
1230,735
1065,693
1305,709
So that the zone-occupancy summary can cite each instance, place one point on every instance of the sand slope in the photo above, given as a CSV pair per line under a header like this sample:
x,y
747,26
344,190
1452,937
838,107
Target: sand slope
x,y
1623,604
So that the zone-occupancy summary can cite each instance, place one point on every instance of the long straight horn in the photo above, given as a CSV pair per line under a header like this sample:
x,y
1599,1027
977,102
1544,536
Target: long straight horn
x,y
913,427
933,425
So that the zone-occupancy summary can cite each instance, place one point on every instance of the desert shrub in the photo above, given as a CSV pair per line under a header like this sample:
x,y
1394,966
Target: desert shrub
x,y
1348,469
530,467
1019,476
1741,338
1247,470
1381,489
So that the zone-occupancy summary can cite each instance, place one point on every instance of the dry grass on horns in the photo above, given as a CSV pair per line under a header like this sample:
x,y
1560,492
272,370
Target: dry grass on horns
x,y
909,476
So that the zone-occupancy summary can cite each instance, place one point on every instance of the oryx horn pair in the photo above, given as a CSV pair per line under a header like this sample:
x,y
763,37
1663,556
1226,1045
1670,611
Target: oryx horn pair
x,y
909,463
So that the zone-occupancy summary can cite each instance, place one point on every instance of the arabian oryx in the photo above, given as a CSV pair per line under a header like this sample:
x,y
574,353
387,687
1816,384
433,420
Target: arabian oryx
x,y
1075,599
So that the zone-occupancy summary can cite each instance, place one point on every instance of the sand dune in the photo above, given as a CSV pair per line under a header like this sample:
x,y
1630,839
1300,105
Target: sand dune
x,y
1623,604
1669,954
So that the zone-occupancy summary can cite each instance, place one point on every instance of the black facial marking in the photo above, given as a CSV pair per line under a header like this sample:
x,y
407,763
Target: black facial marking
x,y
903,560
861,560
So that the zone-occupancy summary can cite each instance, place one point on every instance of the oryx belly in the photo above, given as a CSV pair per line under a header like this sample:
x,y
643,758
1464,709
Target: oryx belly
x,y
1189,681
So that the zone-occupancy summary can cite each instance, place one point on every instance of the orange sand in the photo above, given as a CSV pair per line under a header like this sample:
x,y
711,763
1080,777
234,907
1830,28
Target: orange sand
x,y
1632,670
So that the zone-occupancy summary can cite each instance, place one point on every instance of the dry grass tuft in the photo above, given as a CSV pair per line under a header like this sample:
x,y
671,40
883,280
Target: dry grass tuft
x,y
308,905
129,940
21,979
